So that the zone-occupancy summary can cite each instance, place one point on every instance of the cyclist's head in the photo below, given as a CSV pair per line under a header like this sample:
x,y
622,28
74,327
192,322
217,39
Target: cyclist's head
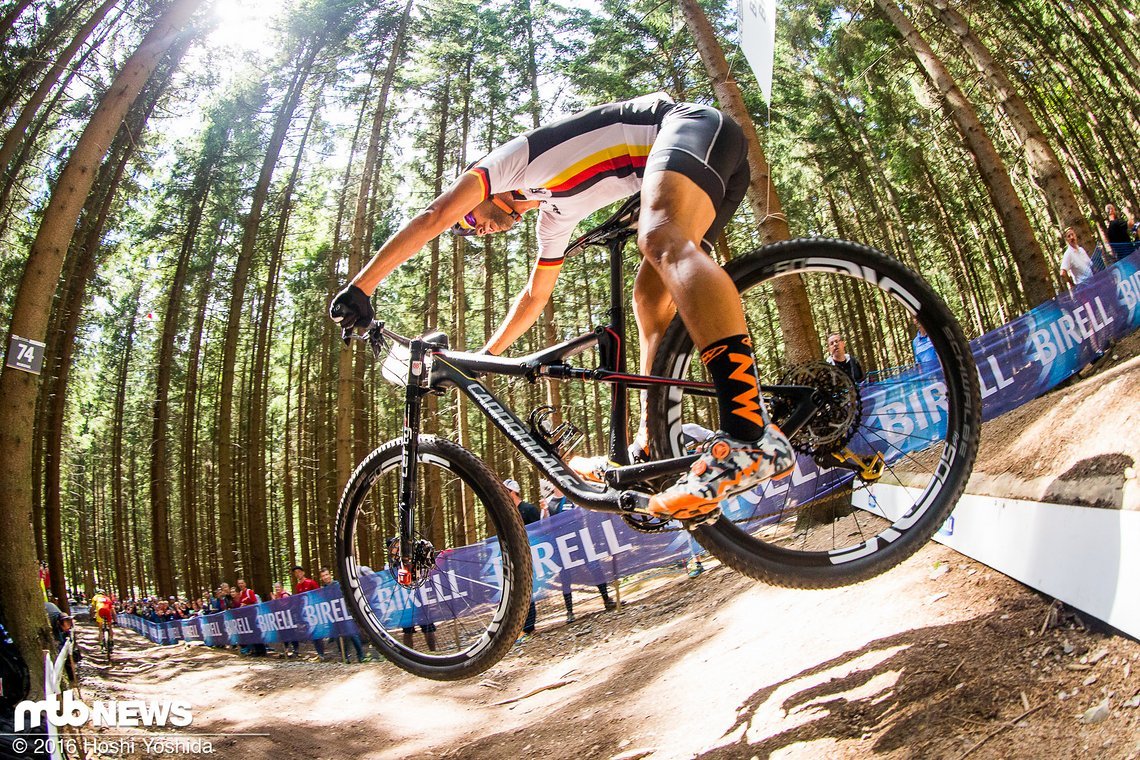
x,y
496,214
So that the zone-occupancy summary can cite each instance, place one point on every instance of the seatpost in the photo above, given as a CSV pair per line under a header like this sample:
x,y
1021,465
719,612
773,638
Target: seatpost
x,y
413,406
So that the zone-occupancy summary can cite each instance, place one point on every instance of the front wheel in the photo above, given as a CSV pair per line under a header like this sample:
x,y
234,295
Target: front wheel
x,y
468,600
882,462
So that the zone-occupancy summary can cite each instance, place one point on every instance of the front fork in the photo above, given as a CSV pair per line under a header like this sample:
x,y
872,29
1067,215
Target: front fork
x,y
413,412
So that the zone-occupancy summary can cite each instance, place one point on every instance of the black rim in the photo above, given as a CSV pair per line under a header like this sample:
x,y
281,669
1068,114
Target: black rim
x,y
463,631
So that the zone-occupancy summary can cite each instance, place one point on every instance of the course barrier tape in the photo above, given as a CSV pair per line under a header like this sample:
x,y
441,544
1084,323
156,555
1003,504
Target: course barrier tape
x,y
577,548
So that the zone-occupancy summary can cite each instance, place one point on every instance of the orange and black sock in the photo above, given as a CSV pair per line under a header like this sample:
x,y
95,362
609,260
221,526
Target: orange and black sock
x,y
733,369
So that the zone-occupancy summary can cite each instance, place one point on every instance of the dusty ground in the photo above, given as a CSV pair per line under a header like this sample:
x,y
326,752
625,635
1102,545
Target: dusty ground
x,y
940,658
1079,444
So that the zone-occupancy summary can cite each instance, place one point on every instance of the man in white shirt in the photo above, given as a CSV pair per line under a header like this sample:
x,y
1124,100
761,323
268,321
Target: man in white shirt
x,y
1076,266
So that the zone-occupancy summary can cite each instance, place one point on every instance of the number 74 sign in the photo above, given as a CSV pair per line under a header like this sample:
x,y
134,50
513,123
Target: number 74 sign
x,y
25,354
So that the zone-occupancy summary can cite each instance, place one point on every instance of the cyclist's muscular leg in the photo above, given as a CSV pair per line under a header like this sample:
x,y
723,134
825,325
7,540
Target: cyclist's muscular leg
x,y
653,310
675,214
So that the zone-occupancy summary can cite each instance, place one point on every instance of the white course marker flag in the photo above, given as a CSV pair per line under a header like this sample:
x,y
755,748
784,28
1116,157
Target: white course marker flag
x,y
758,40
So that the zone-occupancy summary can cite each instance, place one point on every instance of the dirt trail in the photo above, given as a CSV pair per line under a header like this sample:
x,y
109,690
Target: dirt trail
x,y
940,658
928,660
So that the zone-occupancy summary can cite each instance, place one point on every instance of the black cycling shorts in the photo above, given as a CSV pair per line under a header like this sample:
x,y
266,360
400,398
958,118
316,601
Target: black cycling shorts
x,y
709,148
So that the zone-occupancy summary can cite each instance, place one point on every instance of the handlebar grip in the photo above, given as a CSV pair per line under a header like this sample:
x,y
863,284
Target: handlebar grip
x,y
346,335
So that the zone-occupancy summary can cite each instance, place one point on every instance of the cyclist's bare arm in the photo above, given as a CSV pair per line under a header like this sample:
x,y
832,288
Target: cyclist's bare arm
x,y
462,196
527,306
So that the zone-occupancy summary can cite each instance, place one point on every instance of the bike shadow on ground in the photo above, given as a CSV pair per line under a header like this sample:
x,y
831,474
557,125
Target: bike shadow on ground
x,y
928,692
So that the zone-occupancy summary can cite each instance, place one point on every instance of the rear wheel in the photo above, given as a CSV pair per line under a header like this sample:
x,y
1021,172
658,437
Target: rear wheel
x,y
882,462
466,604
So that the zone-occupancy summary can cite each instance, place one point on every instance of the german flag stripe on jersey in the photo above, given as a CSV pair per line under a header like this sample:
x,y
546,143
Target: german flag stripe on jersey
x,y
551,262
617,160
481,173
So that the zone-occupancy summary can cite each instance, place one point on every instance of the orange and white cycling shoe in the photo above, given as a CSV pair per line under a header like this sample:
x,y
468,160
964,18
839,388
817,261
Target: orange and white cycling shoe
x,y
592,469
726,466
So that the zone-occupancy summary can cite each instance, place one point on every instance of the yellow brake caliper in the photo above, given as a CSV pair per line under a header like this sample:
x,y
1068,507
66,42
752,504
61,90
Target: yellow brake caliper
x,y
869,468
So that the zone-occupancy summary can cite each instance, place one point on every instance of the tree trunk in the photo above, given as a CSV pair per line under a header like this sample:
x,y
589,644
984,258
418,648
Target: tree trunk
x,y
18,585
9,19
118,506
87,250
1044,167
1023,245
432,487
15,134
286,456
235,315
257,515
159,466
801,340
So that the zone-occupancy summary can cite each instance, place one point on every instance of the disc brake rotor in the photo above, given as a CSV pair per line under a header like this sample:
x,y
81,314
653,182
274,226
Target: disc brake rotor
x,y
835,422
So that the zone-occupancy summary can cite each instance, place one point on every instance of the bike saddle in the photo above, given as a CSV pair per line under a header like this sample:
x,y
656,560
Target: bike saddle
x,y
621,224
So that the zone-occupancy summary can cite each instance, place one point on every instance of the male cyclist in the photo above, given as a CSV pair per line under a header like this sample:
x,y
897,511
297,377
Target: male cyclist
x,y
690,163
103,608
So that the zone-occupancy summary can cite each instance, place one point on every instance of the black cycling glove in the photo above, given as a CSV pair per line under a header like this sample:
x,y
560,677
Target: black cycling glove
x,y
351,309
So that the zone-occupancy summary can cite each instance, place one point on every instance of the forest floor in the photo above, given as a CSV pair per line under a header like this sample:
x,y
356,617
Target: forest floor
x,y
939,658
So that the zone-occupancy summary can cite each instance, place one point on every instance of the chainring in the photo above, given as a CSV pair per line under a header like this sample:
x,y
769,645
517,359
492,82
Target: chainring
x,y
647,523
835,422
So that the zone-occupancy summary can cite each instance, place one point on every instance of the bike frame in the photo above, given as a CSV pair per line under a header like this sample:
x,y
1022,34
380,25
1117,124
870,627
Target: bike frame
x,y
433,367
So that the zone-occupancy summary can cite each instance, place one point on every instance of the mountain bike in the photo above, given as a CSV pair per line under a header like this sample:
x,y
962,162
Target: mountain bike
x,y
880,464
106,635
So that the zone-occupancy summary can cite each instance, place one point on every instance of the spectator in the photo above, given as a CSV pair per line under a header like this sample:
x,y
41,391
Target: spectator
x,y
1076,266
555,503
61,626
1116,232
162,612
837,355
222,599
923,348
327,580
530,514
45,580
246,596
291,647
301,582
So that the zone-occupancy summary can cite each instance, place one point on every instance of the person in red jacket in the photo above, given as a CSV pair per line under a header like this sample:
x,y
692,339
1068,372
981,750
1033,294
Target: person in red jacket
x,y
301,582
246,595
